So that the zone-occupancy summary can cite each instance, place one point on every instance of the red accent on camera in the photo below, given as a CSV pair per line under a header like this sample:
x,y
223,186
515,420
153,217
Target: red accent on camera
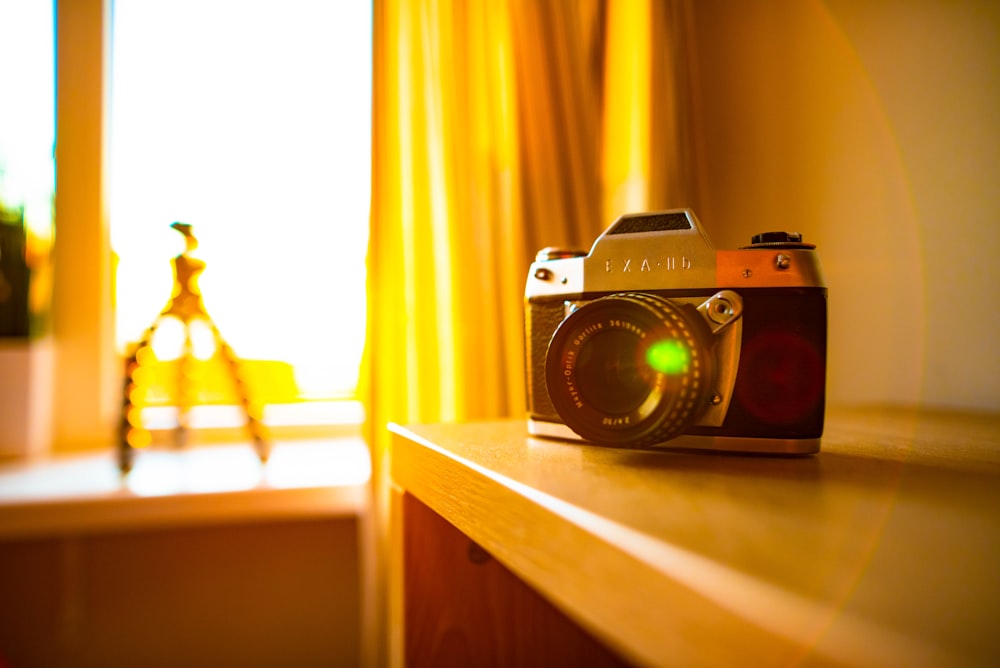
x,y
784,376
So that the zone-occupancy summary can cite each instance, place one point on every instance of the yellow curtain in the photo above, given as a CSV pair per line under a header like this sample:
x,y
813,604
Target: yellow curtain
x,y
461,121
500,128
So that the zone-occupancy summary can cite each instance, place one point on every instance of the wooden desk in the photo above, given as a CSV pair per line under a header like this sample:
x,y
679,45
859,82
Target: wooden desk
x,y
884,549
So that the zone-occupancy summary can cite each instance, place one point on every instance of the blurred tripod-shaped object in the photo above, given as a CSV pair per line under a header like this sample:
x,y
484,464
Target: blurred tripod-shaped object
x,y
186,305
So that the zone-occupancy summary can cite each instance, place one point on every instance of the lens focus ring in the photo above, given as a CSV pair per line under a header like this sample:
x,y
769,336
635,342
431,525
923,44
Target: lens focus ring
x,y
630,369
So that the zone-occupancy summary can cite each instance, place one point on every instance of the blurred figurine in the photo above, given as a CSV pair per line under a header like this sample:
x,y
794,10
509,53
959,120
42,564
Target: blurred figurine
x,y
186,305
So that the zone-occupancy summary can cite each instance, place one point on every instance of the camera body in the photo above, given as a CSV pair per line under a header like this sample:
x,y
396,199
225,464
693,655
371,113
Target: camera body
x,y
656,339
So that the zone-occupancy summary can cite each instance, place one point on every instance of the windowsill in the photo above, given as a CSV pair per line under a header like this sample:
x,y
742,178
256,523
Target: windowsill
x,y
75,494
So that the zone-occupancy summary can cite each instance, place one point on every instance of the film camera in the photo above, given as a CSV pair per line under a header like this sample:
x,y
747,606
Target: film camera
x,y
654,338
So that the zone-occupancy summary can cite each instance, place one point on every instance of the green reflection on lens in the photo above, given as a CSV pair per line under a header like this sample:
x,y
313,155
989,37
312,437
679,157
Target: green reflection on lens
x,y
669,357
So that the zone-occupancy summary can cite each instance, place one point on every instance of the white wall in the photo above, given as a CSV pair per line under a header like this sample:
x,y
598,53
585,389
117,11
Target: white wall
x,y
872,127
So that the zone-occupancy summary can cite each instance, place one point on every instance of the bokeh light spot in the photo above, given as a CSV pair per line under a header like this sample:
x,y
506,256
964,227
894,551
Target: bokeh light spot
x,y
669,356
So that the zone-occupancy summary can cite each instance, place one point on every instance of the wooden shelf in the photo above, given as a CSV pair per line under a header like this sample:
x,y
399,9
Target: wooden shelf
x,y
883,549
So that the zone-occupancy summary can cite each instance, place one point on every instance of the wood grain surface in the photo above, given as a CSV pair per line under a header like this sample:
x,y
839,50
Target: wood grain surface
x,y
880,550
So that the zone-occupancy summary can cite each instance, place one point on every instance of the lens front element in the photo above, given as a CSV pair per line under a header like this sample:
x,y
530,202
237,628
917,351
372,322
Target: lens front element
x,y
630,369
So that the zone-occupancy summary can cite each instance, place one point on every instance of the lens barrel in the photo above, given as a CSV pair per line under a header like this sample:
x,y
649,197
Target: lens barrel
x,y
630,369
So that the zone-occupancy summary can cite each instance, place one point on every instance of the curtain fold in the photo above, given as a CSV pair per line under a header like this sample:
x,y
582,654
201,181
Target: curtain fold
x,y
486,120
500,128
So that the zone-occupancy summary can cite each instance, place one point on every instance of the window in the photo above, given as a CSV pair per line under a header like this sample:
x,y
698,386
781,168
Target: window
x,y
249,121
27,170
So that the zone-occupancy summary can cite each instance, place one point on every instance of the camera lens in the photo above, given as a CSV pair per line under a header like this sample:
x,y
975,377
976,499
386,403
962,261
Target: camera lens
x,y
629,369
609,374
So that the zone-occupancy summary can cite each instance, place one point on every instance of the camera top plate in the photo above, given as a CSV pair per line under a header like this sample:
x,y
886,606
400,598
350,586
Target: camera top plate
x,y
669,250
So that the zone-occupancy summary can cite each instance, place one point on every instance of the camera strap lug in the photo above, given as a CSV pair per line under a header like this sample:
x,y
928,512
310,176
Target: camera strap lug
x,y
721,310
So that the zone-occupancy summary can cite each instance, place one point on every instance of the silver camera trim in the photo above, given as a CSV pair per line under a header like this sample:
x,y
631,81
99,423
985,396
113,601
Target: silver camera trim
x,y
745,444
670,260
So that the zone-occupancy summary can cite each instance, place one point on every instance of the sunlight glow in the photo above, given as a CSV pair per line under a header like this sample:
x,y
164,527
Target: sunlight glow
x,y
27,124
251,122
27,167
237,468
